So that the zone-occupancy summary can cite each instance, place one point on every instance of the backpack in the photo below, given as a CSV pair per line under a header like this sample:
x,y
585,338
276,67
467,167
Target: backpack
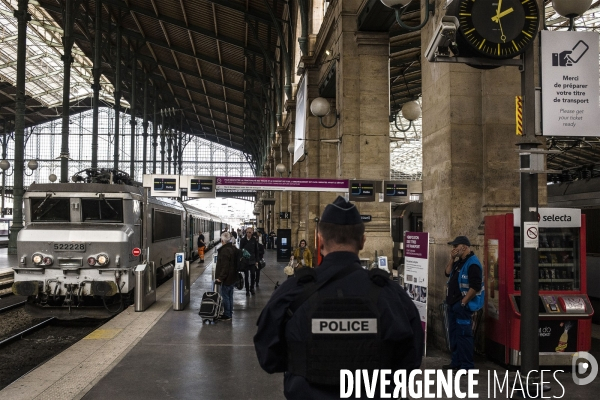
x,y
241,257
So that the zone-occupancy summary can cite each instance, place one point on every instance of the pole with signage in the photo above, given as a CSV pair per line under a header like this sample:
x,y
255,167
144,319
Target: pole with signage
x,y
416,272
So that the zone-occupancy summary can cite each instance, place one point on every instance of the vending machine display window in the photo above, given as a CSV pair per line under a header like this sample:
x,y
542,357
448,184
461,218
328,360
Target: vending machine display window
x,y
559,263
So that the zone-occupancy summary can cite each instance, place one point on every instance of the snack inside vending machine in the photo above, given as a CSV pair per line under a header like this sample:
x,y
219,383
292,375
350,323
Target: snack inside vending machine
x,y
565,311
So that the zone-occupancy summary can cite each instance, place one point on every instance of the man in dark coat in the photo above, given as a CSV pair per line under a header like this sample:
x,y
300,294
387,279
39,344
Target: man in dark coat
x,y
312,358
250,244
226,275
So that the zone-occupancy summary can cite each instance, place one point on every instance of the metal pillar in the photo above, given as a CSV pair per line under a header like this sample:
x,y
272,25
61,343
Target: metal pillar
x,y
180,142
169,147
67,60
117,96
145,125
132,121
4,148
175,148
22,17
96,85
162,141
154,129
529,212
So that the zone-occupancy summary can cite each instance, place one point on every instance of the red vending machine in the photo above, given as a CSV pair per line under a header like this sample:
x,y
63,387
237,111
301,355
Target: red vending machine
x,y
565,312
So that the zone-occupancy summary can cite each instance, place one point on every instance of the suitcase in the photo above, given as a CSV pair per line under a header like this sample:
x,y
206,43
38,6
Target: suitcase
x,y
211,306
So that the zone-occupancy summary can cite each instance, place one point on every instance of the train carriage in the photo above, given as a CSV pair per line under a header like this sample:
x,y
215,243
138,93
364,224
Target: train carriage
x,y
82,241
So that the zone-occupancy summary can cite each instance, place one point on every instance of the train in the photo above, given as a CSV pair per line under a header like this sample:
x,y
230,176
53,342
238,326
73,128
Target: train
x,y
81,242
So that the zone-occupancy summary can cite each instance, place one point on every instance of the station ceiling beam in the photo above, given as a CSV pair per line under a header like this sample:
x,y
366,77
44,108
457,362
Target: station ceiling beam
x,y
180,24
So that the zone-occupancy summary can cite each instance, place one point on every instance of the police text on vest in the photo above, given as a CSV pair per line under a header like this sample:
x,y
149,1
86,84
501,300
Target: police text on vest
x,y
344,325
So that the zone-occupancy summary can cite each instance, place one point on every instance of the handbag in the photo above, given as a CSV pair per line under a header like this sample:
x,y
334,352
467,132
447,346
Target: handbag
x,y
262,263
239,284
288,270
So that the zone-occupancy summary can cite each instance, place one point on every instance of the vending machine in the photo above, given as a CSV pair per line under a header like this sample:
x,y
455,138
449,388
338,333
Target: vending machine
x,y
565,311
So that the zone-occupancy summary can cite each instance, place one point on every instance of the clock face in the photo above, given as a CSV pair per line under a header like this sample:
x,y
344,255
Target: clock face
x,y
499,28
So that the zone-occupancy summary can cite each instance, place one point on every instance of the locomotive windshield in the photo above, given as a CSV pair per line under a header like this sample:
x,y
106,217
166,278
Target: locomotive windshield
x,y
49,209
102,210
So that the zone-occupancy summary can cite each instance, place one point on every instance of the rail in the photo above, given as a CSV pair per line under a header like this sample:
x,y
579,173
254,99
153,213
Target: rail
x,y
27,331
6,281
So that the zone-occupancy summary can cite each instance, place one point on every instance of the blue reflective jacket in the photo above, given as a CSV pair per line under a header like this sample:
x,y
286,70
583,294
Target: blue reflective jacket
x,y
476,303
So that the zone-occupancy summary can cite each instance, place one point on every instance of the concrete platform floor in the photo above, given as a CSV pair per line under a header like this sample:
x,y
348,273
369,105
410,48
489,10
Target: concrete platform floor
x,y
166,354
182,358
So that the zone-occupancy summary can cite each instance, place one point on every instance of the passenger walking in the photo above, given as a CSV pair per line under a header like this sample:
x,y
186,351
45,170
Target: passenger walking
x,y
250,244
201,246
226,275
233,236
303,255
464,296
261,254
272,236
298,332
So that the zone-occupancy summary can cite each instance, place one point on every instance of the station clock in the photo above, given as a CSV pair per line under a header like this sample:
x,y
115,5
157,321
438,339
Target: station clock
x,y
498,28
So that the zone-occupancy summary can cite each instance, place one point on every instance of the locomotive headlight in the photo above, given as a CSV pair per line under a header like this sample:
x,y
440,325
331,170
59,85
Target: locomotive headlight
x,y
102,259
48,260
91,261
37,258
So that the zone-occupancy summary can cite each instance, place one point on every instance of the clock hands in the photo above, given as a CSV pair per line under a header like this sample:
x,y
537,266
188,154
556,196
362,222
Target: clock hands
x,y
496,18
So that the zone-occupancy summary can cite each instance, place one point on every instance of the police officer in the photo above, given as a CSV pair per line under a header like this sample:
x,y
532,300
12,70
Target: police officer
x,y
337,316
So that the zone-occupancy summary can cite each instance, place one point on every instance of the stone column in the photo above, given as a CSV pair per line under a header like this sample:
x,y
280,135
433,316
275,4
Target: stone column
x,y
469,158
363,101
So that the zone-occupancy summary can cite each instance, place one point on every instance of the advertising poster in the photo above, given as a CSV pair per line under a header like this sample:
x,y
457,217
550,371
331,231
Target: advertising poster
x,y
493,307
300,127
416,270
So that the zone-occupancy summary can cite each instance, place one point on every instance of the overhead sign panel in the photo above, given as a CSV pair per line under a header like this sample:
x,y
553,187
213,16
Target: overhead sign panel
x,y
569,83
362,190
162,185
283,184
199,186
395,191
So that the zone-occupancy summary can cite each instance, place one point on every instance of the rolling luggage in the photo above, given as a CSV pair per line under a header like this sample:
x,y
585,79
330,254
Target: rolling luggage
x,y
211,306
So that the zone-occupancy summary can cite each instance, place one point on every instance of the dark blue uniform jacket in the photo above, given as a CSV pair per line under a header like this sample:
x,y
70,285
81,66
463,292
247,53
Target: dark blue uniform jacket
x,y
400,322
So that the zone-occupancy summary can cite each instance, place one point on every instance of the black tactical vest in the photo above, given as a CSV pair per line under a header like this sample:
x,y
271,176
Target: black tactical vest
x,y
345,333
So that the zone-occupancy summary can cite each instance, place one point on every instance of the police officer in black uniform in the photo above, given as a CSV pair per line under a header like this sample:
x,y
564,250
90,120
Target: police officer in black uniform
x,y
337,316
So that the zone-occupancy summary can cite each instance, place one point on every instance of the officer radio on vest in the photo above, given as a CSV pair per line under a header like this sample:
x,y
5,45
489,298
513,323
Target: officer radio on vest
x,y
337,316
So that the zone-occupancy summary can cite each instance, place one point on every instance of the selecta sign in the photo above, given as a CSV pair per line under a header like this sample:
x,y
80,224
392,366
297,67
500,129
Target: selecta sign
x,y
553,217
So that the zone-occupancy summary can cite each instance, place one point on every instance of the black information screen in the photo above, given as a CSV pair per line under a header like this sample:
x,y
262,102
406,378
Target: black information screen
x,y
201,185
395,189
165,184
362,191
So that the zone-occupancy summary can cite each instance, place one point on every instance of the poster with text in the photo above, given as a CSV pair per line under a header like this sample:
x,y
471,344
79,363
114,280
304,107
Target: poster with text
x,y
569,83
416,271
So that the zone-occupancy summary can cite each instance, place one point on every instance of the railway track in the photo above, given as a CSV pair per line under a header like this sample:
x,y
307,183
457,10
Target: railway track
x,y
15,302
25,332
6,281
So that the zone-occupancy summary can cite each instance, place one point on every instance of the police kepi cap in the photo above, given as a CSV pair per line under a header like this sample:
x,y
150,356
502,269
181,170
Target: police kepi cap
x,y
341,212
460,240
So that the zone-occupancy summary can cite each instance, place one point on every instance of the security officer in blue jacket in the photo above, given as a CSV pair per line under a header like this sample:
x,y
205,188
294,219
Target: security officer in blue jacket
x,y
464,296
337,316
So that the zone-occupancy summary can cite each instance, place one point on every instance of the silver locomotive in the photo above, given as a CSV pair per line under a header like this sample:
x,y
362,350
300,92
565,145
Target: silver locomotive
x,y
82,241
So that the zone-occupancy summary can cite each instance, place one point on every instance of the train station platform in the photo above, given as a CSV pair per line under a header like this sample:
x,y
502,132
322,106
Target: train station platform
x,y
166,354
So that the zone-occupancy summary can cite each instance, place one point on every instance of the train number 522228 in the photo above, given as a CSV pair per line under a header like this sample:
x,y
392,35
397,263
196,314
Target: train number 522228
x,y
69,246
